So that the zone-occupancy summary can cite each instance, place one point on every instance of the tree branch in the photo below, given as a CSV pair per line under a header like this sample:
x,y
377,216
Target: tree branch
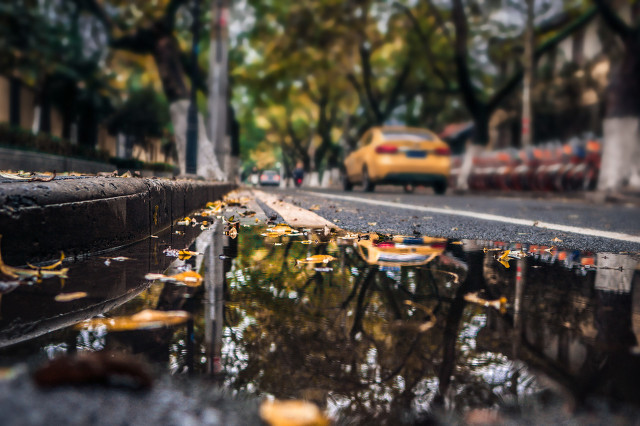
x,y
367,76
356,85
397,89
426,44
200,80
545,47
612,19
460,46
169,17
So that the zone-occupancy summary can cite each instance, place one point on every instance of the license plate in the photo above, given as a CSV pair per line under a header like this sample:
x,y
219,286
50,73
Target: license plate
x,y
416,154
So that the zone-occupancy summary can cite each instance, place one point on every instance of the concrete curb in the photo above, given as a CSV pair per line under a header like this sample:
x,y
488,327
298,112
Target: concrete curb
x,y
39,219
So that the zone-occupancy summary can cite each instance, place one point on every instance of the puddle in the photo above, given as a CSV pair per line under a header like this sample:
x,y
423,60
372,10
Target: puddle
x,y
372,328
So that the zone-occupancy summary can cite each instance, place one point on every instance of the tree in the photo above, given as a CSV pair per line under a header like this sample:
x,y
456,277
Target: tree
x,y
155,34
621,151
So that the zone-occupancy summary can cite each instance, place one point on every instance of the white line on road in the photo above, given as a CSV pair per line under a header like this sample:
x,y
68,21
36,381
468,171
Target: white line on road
x,y
485,216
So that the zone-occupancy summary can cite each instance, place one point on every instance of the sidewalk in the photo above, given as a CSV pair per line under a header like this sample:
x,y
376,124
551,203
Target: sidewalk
x,y
80,214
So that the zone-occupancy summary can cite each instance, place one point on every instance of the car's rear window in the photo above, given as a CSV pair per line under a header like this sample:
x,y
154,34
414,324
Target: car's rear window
x,y
406,135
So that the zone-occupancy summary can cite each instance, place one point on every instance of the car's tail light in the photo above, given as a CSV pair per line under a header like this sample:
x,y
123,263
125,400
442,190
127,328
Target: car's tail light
x,y
263,177
277,177
387,149
386,245
443,150
438,245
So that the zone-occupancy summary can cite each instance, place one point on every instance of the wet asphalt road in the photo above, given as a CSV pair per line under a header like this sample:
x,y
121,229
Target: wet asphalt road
x,y
352,215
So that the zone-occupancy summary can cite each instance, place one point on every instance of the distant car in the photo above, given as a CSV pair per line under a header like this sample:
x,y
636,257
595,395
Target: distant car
x,y
269,178
401,156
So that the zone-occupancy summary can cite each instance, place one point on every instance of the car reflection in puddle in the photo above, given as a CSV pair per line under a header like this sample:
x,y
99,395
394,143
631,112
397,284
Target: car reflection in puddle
x,y
378,328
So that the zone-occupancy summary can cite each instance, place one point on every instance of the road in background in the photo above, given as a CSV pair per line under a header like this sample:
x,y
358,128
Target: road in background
x,y
578,223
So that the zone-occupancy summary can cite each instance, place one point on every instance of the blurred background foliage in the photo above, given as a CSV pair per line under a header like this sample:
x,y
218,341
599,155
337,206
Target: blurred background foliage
x,y
308,77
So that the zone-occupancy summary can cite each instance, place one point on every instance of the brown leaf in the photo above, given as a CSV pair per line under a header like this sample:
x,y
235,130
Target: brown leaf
x,y
67,297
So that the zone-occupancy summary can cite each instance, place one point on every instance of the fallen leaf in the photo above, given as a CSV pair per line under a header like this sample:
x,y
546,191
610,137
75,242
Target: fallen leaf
x,y
33,272
232,233
504,258
52,266
188,278
499,304
318,258
314,207
142,320
187,254
292,413
556,240
372,223
67,297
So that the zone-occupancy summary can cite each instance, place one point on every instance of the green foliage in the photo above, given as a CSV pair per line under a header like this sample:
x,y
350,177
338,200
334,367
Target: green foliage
x,y
145,114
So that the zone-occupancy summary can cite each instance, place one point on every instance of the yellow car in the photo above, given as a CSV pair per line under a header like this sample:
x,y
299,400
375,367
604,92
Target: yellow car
x,y
401,250
398,155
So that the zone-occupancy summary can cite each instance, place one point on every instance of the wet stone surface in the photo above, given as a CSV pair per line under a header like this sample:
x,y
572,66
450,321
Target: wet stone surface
x,y
373,328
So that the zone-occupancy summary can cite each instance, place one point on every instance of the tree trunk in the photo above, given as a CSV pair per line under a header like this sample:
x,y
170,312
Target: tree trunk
x,y
475,146
167,57
207,163
621,145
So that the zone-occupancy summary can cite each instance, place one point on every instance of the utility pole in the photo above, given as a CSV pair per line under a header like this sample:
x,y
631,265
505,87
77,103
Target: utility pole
x,y
192,114
528,68
219,88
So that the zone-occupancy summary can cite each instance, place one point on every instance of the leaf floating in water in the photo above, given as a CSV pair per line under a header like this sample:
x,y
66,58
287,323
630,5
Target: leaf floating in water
x,y
49,267
188,278
142,320
67,297
186,254
292,413
318,258
186,221
504,258
33,272
499,304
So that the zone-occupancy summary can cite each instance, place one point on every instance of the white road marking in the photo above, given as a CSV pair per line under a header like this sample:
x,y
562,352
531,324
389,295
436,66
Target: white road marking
x,y
485,216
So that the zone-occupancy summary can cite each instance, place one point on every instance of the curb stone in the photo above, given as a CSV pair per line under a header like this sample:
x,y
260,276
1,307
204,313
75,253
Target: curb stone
x,y
40,219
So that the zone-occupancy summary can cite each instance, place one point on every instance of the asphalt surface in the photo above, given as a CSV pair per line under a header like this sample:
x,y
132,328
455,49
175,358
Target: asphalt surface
x,y
620,217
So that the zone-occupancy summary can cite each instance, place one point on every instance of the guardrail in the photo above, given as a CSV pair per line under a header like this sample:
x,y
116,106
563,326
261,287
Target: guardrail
x,y
572,166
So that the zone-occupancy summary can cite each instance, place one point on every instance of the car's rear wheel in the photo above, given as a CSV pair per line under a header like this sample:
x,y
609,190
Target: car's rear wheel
x,y
367,185
346,183
440,187
409,188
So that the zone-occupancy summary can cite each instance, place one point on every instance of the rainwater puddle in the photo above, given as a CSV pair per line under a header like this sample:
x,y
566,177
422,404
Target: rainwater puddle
x,y
372,328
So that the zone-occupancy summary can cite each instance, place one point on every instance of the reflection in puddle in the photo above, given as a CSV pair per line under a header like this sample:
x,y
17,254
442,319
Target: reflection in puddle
x,y
372,328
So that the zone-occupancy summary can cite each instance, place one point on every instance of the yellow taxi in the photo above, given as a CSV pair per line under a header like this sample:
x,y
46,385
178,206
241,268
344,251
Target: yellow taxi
x,y
401,250
398,155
